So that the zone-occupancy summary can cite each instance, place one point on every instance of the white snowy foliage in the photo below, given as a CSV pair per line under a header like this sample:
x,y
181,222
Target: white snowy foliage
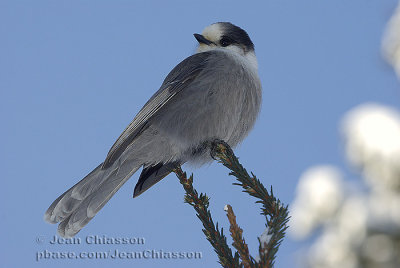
x,y
391,41
360,228
319,194
372,136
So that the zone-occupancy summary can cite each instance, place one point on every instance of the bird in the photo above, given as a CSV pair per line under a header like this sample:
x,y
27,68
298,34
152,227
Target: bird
x,y
213,94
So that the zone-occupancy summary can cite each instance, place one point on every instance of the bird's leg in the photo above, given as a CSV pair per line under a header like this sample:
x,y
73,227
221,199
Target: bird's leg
x,y
218,147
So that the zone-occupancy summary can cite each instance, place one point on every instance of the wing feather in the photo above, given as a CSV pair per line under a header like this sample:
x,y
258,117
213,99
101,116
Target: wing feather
x,y
176,81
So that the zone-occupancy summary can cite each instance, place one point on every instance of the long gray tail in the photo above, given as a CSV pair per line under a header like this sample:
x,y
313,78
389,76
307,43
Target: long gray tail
x,y
78,205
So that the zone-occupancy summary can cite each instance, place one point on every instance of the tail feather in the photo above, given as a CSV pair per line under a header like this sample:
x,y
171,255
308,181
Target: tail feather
x,y
151,175
77,206
64,205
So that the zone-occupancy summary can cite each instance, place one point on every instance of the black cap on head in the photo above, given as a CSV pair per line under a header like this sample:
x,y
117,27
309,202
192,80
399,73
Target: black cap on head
x,y
236,35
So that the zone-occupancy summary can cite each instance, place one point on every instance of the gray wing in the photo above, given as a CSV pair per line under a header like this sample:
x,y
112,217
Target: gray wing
x,y
176,81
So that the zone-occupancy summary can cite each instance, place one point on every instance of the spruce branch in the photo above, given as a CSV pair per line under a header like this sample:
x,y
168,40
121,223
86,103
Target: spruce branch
x,y
213,235
275,212
238,241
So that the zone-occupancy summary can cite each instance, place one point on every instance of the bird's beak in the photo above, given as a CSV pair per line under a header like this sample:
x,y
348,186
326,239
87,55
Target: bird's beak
x,y
202,40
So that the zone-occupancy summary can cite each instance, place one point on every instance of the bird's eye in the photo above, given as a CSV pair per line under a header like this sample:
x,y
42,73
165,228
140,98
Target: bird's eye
x,y
225,41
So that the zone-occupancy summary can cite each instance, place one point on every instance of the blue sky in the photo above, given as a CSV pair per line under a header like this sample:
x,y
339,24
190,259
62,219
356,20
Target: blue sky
x,y
74,73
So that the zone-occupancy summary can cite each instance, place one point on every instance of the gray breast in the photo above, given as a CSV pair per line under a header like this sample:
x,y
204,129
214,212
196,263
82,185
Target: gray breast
x,y
223,102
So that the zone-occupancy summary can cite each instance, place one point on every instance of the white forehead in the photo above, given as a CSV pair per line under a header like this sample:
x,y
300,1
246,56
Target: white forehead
x,y
213,32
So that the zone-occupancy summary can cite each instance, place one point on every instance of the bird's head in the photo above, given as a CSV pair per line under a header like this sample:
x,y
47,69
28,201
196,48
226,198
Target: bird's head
x,y
224,35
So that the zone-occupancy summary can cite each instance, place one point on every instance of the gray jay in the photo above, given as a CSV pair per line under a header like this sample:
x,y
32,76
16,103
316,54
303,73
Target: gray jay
x,y
213,94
